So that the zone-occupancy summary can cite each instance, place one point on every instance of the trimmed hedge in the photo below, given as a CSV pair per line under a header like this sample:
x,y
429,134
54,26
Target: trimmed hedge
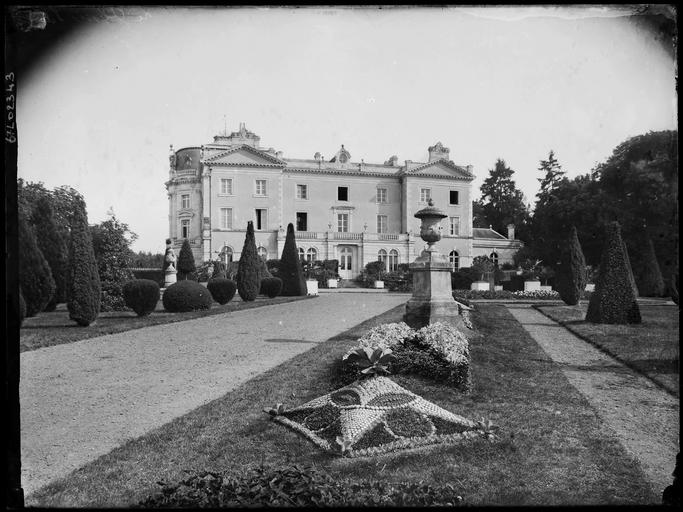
x,y
571,273
83,279
271,286
290,271
153,274
249,271
35,276
141,295
221,289
187,269
185,296
614,298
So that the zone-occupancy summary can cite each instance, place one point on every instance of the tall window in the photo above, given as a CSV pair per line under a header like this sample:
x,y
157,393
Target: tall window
x,y
381,223
343,222
185,201
262,253
425,194
226,218
261,219
227,254
302,191
301,221
454,259
311,254
226,186
342,193
185,228
260,187
393,260
382,256
494,258
302,254
453,197
381,195
454,226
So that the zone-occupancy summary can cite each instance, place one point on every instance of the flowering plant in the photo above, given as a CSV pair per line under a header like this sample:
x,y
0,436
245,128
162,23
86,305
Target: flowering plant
x,y
536,294
384,336
446,340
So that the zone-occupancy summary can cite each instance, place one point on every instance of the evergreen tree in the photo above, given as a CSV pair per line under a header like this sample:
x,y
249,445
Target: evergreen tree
x,y
614,300
186,264
571,272
646,269
290,270
502,202
248,274
553,173
35,277
83,281
52,241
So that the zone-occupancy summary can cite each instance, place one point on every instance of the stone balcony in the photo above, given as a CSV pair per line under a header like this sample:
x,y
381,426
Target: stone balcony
x,y
350,235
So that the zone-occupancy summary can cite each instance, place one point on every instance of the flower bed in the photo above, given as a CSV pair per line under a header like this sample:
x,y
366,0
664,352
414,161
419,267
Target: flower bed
x,y
374,416
508,295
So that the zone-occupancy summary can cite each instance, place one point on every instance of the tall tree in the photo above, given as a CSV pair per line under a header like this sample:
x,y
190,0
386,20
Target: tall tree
x,y
290,270
83,280
503,203
552,173
35,277
249,272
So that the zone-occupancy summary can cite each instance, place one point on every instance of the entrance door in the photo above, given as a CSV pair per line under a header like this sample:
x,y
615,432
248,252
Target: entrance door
x,y
345,262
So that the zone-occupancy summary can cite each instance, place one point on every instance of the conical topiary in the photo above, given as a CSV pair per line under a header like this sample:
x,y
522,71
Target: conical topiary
x,y
290,271
35,277
186,265
248,274
83,281
648,277
53,244
571,274
614,300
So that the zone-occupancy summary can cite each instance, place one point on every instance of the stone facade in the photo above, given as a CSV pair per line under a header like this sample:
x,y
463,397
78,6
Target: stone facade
x,y
354,212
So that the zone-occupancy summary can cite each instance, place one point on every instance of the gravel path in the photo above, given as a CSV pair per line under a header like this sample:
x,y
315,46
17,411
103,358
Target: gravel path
x,y
644,417
81,400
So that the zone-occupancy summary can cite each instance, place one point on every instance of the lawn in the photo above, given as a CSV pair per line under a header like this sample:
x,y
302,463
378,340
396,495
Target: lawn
x,y
55,328
553,448
650,347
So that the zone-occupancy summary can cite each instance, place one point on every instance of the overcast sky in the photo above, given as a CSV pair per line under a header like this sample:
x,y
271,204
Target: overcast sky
x,y
100,113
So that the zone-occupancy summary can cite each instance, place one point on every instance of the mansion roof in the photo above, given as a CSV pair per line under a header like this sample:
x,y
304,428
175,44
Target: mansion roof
x,y
487,233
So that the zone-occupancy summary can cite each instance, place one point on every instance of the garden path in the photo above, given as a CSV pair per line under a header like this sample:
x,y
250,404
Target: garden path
x,y
644,417
83,399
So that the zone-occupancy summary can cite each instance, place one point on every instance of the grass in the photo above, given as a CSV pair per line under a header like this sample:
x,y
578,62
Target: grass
x,y
55,328
650,347
554,450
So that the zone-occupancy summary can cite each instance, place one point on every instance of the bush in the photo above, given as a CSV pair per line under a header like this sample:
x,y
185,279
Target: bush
x,y
290,271
294,486
186,296
375,270
463,278
482,265
35,277
614,298
249,272
571,272
205,271
83,280
186,265
271,286
221,289
141,295
399,281
515,284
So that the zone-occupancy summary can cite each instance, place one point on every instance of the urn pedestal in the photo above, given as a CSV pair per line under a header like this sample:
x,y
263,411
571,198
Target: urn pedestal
x,y
169,278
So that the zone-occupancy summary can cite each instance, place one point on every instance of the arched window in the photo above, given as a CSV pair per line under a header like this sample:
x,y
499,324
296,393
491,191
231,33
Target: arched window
x,y
454,258
227,254
302,254
311,254
393,260
263,253
494,258
382,256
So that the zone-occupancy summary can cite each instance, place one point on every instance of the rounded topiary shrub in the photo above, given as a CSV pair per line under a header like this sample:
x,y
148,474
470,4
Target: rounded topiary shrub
x,y
222,290
186,296
271,286
141,295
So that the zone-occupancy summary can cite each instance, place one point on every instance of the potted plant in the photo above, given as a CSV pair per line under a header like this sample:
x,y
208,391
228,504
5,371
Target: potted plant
x,y
311,281
545,274
332,276
530,271
482,265
375,270
498,278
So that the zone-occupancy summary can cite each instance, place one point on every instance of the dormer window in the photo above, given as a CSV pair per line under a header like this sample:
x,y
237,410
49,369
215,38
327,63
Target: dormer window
x,y
343,158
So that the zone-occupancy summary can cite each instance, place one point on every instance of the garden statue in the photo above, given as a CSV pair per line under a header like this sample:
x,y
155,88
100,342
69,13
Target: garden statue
x,y
169,264
432,299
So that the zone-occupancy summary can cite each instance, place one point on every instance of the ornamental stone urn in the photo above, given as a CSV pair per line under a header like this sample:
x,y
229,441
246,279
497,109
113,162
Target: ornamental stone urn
x,y
170,263
432,299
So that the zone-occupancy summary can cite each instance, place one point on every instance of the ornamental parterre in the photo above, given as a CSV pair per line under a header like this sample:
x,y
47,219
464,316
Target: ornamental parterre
x,y
374,416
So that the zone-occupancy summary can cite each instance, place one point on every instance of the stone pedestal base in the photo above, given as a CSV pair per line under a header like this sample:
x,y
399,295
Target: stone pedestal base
x,y
169,279
422,313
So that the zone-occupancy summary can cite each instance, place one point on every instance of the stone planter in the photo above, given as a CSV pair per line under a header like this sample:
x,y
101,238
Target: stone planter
x,y
332,283
379,284
546,288
532,286
312,287
482,286
498,288
590,287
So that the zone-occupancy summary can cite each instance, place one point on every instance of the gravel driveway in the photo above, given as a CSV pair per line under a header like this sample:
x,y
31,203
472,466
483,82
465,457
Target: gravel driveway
x,y
81,400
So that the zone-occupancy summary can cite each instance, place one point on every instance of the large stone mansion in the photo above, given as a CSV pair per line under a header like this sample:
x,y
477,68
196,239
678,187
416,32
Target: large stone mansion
x,y
354,212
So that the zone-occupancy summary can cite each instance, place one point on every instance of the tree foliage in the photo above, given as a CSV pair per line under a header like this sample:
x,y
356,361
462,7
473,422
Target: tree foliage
x,y
249,271
552,174
83,280
186,265
35,277
289,270
142,259
482,265
571,274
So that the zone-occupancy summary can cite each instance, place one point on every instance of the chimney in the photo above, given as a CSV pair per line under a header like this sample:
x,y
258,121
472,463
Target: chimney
x,y
511,231
438,151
